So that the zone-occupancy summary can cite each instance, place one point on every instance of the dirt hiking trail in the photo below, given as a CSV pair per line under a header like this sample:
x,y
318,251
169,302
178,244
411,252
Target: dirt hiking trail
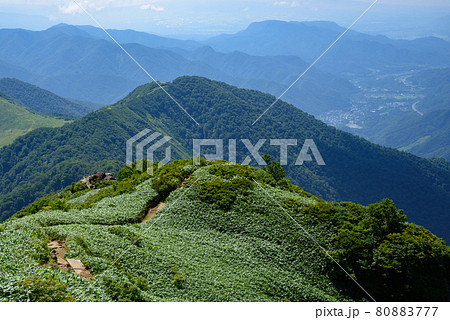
x,y
58,252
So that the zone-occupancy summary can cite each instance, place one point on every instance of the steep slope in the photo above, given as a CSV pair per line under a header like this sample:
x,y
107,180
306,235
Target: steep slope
x,y
225,234
356,170
16,120
426,136
40,100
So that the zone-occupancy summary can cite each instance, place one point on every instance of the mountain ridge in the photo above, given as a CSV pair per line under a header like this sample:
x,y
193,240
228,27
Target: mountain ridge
x,y
219,238
356,169
40,100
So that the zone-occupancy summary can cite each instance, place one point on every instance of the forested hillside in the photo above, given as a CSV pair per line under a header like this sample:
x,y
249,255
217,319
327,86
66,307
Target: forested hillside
x,y
48,159
215,232
40,100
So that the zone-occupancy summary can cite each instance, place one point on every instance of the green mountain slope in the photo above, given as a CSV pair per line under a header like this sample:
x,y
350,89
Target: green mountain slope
x,y
225,234
426,136
16,120
425,129
436,83
356,170
39,99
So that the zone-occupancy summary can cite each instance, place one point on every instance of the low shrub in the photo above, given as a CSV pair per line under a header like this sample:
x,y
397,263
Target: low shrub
x,y
177,277
45,290
77,187
223,193
231,171
170,177
131,290
126,233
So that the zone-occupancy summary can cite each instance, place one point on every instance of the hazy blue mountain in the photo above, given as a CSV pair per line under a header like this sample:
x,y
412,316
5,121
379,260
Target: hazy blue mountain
x,y
8,70
88,68
40,100
317,92
436,83
426,136
144,38
47,160
74,64
356,53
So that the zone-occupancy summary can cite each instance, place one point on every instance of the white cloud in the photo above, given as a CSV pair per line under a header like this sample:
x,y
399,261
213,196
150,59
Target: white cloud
x,y
292,4
151,7
72,8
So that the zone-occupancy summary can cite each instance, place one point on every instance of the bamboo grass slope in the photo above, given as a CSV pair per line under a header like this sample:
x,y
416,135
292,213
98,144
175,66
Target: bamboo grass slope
x,y
47,160
218,238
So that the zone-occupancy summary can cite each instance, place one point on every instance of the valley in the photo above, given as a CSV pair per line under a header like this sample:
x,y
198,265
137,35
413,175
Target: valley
x,y
212,171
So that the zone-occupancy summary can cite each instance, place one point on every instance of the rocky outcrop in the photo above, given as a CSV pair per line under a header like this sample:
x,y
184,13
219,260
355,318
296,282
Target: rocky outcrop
x,y
90,181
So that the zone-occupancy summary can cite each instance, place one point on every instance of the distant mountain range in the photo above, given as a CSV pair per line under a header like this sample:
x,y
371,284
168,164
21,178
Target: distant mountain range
x,y
355,54
81,63
77,62
47,160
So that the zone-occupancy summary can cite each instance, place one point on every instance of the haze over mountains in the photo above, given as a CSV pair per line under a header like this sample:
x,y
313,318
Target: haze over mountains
x,y
369,81
355,54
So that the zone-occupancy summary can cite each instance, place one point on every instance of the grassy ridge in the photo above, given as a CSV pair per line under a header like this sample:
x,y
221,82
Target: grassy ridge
x,y
16,120
356,170
219,238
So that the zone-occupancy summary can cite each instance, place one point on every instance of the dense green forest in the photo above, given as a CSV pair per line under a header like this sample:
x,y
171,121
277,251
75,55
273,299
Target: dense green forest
x,y
40,100
227,232
46,160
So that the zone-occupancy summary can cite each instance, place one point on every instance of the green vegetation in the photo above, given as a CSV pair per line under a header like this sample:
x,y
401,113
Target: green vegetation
x,y
79,197
219,238
125,291
45,290
400,261
40,100
16,120
47,160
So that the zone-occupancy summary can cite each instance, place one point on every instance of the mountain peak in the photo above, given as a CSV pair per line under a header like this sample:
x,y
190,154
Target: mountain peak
x,y
67,29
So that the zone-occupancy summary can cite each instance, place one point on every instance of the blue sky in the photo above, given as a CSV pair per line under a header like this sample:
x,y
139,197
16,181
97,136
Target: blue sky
x,y
399,18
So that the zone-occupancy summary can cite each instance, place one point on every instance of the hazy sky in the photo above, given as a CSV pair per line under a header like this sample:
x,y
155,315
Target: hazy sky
x,y
214,16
